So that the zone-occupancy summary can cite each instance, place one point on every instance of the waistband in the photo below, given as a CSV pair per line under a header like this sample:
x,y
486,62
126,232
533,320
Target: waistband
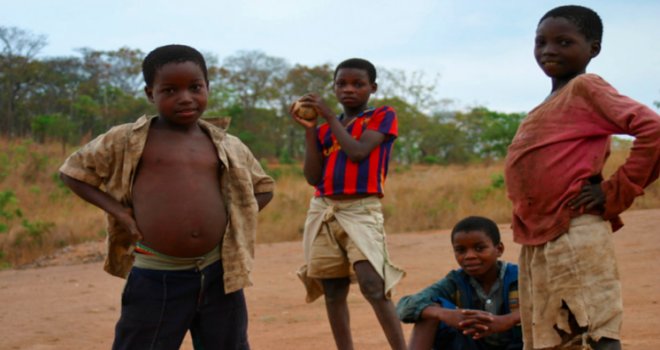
x,y
586,219
348,202
148,258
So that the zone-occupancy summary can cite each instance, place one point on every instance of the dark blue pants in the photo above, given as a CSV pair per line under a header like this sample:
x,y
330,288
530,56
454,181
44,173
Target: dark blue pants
x,y
448,338
159,307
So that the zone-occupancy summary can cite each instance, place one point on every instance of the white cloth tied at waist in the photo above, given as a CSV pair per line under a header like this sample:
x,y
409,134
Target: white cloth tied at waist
x,y
362,219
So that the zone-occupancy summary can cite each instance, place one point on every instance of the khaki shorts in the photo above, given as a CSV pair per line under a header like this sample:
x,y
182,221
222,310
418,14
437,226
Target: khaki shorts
x,y
572,279
333,253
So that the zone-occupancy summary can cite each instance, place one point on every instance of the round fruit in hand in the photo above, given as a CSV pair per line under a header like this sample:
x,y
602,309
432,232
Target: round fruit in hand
x,y
307,113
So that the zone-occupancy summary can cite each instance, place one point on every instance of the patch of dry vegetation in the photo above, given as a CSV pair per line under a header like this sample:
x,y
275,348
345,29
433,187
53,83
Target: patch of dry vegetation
x,y
41,215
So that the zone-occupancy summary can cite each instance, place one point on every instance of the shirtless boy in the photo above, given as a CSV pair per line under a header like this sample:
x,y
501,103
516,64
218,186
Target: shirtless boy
x,y
182,198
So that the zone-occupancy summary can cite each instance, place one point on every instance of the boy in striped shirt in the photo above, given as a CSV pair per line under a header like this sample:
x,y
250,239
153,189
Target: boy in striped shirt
x,y
346,160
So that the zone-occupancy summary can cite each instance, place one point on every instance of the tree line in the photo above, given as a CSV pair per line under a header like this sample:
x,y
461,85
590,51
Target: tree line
x,y
69,99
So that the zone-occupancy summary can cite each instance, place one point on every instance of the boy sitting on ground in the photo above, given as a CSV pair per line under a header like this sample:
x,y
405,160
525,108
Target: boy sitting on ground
x,y
474,307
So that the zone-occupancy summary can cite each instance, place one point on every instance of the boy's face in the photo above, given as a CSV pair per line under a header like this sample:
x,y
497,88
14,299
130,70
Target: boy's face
x,y
352,87
179,92
476,253
561,50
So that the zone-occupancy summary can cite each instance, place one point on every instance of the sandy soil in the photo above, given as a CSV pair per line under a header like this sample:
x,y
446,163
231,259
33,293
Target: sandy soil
x,y
70,303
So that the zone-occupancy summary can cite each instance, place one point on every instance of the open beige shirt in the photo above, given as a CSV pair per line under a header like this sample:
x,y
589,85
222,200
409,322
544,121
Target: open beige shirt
x,y
110,162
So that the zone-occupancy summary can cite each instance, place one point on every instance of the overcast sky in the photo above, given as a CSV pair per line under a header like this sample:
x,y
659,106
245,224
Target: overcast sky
x,y
482,49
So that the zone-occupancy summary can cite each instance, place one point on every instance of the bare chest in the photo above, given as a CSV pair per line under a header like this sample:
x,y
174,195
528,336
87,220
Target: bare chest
x,y
165,152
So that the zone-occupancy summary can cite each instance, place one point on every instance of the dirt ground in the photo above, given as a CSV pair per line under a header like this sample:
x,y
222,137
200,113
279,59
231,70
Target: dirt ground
x,y
70,303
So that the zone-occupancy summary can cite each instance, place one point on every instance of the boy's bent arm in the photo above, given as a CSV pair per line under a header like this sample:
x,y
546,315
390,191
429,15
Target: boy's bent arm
x,y
453,318
263,199
643,164
313,167
104,201
356,150
410,307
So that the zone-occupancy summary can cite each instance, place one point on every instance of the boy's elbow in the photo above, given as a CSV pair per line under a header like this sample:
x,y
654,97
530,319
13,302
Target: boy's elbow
x,y
357,157
66,179
312,180
263,199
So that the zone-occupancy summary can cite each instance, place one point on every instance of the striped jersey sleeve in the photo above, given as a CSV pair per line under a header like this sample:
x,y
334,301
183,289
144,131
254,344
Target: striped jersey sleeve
x,y
343,176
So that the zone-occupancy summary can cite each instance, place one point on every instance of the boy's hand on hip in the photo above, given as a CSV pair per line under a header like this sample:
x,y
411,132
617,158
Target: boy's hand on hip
x,y
591,197
127,221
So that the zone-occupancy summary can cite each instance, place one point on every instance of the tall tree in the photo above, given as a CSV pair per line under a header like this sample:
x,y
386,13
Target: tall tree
x,y
416,88
490,132
254,79
113,82
299,81
17,71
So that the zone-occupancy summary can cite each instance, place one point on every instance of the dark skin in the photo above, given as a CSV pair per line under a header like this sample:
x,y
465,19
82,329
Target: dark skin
x,y
178,206
353,89
563,52
476,253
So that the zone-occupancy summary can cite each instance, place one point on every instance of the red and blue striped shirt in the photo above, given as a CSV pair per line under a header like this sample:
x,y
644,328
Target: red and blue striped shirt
x,y
343,176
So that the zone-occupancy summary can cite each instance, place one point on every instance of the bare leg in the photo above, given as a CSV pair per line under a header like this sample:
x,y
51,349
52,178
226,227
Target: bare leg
x,y
423,334
336,292
373,289
577,331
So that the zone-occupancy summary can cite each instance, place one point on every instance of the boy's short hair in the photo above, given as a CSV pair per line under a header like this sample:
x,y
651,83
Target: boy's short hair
x,y
358,63
586,19
478,223
163,55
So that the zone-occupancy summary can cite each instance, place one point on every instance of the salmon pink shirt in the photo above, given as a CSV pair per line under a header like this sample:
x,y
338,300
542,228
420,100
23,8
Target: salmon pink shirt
x,y
563,143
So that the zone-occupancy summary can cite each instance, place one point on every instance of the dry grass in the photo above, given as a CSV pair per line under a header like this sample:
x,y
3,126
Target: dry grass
x,y
51,216
417,198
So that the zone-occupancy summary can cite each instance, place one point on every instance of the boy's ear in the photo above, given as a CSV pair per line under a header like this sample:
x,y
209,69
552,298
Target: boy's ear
x,y
595,48
500,249
374,87
150,93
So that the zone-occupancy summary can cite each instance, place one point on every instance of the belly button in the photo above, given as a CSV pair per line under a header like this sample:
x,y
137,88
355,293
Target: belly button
x,y
195,234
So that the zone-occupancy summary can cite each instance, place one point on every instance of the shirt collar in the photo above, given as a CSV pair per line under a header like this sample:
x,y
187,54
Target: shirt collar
x,y
369,109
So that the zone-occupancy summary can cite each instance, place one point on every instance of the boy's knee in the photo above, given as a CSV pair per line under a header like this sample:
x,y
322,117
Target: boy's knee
x,y
372,289
335,290
371,284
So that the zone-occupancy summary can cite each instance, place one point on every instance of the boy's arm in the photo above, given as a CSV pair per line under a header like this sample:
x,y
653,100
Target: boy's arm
x,y
356,150
313,166
623,115
452,317
481,324
410,308
95,196
263,185
263,199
